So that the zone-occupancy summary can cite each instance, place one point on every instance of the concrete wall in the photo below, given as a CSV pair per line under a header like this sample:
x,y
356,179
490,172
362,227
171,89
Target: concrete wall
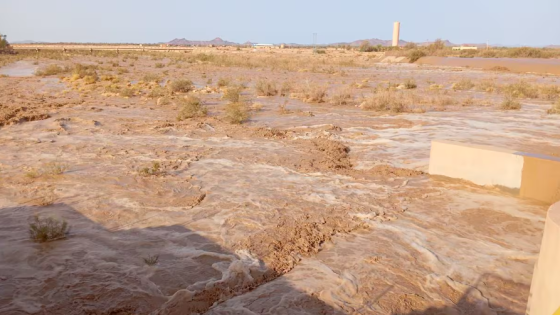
x,y
482,165
534,176
544,298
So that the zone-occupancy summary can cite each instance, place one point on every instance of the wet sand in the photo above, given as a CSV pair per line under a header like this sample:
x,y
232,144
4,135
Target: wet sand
x,y
289,213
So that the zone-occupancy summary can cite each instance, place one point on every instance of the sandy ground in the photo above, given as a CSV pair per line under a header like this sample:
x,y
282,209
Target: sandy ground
x,y
319,209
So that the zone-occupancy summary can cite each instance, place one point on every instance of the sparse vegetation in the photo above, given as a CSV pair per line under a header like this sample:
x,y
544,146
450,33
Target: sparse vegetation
x,y
236,113
151,260
47,229
159,65
464,84
191,107
416,54
510,103
51,70
312,93
521,89
410,84
152,170
389,101
555,109
181,86
223,82
151,77
233,94
266,88
342,97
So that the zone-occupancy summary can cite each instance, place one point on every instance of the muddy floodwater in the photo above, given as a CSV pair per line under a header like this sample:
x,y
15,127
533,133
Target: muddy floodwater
x,y
307,207
543,66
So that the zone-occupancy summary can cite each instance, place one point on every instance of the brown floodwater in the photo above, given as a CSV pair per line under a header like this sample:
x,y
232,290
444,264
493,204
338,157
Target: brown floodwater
x,y
522,65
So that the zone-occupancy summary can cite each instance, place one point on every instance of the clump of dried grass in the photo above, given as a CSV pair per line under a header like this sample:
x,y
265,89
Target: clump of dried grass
x,y
191,107
266,88
236,113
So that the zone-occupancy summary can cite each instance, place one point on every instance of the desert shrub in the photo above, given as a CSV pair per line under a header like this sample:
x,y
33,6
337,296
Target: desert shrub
x,y
156,92
236,113
415,54
436,87
223,82
410,46
159,65
191,107
342,97
521,89
410,84
555,109
510,103
153,170
320,51
49,229
126,92
385,101
151,77
233,94
54,168
182,86
286,88
486,86
526,52
365,46
266,88
313,93
549,92
51,70
464,84
87,72
257,107
151,260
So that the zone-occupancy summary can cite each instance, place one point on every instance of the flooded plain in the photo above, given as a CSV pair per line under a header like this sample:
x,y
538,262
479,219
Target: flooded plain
x,y
306,208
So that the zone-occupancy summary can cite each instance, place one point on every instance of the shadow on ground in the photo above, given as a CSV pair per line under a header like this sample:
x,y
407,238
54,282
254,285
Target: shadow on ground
x,y
102,271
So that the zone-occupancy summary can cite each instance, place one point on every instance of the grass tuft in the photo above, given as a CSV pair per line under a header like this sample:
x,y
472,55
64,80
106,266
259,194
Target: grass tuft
x,y
236,113
151,260
191,107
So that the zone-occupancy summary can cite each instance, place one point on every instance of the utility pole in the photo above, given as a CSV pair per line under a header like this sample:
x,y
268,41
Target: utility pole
x,y
314,43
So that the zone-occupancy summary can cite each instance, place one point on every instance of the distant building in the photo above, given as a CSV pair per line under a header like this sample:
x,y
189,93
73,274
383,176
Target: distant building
x,y
262,45
465,48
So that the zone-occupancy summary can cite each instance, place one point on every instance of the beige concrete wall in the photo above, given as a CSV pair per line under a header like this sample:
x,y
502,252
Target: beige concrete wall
x,y
482,165
544,298
541,179
396,33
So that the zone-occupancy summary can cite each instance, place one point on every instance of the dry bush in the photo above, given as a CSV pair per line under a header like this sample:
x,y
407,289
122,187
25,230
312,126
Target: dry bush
x,y
181,86
151,260
342,97
223,82
257,107
549,92
236,113
416,54
282,110
191,107
126,92
266,88
521,89
151,77
312,93
49,229
487,86
157,91
436,87
51,70
86,72
410,84
54,168
510,103
286,88
390,101
233,94
159,65
464,84
555,109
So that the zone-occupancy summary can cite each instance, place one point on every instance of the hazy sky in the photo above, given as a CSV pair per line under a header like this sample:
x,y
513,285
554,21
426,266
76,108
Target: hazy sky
x,y
508,22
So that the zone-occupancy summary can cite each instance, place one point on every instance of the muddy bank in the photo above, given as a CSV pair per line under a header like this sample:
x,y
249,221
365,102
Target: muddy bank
x,y
520,65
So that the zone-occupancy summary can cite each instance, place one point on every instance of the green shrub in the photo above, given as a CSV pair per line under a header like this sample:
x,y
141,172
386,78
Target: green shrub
x,y
49,229
191,107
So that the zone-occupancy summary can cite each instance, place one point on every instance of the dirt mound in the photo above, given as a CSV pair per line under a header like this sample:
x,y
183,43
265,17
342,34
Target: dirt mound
x,y
391,171
323,155
281,247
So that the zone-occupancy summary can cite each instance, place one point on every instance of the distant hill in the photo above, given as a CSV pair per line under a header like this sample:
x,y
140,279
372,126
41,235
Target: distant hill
x,y
26,42
216,42
553,46
384,42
